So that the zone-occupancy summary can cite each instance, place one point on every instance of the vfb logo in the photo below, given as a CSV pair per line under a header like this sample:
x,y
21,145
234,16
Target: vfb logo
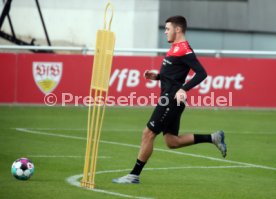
x,y
47,75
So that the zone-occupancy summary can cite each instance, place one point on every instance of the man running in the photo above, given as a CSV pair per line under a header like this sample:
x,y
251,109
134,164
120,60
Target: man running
x,y
166,116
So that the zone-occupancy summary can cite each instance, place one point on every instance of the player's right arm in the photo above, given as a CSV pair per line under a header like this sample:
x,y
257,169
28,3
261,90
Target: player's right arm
x,y
151,75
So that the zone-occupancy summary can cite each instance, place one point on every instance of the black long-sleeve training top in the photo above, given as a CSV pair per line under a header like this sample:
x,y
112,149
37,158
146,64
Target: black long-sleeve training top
x,y
176,66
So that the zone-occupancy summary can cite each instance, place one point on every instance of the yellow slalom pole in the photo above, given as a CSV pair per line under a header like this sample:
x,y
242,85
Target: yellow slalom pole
x,y
105,43
88,144
95,145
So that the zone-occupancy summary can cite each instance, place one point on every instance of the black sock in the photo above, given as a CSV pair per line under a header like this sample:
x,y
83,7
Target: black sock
x,y
202,138
138,167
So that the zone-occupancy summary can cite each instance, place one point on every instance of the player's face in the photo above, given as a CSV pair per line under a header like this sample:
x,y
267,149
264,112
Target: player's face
x,y
170,32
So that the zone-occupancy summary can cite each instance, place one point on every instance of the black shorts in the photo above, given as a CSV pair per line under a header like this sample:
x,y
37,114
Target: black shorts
x,y
166,117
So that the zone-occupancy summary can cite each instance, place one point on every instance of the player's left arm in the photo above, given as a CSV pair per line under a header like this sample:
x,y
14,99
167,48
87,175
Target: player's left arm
x,y
200,72
200,75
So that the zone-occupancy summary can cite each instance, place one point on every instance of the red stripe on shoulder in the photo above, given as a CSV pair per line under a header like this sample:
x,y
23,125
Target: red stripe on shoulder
x,y
180,49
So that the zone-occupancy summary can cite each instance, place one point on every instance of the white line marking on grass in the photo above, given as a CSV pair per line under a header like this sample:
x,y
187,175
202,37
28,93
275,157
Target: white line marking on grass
x,y
62,156
73,180
156,149
49,134
217,159
139,130
57,129
118,194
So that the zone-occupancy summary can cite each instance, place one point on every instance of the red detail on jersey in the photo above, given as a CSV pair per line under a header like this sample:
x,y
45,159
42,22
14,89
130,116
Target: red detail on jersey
x,y
180,49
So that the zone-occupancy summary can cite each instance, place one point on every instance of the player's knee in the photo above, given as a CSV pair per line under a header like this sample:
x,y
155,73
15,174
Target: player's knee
x,y
172,142
148,134
172,145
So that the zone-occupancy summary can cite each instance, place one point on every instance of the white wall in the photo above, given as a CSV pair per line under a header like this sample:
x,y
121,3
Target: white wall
x,y
135,22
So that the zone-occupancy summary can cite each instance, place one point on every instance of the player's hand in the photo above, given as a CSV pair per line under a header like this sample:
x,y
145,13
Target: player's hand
x,y
150,75
181,96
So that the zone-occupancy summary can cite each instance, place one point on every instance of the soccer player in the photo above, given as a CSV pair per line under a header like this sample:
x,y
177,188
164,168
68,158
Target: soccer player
x,y
166,116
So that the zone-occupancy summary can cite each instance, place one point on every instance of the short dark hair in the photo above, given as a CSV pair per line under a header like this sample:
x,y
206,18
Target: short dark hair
x,y
178,21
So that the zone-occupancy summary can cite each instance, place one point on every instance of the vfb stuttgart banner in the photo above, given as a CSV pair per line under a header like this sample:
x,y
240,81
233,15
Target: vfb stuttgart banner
x,y
234,82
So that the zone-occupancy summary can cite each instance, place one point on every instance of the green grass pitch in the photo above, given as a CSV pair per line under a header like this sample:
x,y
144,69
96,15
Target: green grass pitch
x,y
55,139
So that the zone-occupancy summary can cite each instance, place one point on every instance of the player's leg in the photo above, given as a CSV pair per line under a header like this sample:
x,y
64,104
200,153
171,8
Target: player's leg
x,y
146,148
145,152
172,125
173,140
217,138
153,128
